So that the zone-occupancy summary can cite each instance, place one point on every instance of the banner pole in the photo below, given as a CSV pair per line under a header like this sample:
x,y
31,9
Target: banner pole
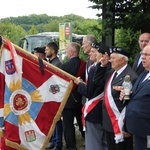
x,y
45,62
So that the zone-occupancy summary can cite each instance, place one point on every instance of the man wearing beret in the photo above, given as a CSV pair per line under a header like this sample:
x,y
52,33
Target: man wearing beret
x,y
40,52
92,110
114,109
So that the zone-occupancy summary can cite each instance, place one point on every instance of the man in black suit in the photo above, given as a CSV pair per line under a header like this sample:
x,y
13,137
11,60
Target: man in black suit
x,y
92,109
51,51
113,108
144,39
138,110
76,67
87,42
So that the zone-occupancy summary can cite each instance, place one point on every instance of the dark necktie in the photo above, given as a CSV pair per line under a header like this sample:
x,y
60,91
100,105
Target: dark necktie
x,y
49,61
115,75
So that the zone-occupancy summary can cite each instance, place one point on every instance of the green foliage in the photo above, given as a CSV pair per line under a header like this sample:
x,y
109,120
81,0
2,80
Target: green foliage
x,y
128,39
11,31
15,28
33,30
128,14
43,23
52,26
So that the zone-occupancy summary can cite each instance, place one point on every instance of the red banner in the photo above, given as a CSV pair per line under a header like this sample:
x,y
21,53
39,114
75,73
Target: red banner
x,y
29,99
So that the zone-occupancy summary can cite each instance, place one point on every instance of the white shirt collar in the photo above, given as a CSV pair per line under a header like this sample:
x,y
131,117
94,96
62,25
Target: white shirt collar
x,y
121,70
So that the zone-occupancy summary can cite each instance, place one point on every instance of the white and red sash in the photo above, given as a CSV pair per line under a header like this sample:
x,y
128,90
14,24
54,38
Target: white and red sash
x,y
89,105
117,118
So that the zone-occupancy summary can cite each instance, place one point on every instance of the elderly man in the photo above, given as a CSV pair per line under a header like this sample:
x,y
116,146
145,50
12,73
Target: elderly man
x,y
86,46
144,39
92,110
113,108
138,110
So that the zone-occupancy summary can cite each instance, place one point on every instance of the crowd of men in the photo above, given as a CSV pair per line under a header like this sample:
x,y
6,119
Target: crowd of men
x,y
106,120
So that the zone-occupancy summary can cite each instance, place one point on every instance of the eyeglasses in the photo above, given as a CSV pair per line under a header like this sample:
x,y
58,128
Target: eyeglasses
x,y
145,54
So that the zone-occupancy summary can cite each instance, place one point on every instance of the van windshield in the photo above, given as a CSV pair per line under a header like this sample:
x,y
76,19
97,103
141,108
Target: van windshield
x,y
36,41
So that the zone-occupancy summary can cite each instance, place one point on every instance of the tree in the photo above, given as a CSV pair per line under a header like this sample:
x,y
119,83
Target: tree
x,y
128,39
33,30
12,32
129,14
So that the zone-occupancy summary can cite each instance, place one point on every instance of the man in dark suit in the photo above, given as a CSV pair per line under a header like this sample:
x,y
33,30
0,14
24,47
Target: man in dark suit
x,y
92,110
51,51
113,108
76,67
87,42
144,39
138,110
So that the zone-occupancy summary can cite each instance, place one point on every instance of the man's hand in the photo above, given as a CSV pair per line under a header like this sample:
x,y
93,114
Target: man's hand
x,y
126,134
122,93
78,80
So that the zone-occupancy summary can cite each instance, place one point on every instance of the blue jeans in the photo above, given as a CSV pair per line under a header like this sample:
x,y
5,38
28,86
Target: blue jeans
x,y
57,135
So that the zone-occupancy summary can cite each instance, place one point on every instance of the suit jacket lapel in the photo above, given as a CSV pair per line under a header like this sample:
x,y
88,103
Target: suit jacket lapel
x,y
139,84
136,62
120,77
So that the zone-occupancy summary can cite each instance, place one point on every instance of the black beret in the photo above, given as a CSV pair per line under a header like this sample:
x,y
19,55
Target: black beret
x,y
40,49
102,48
119,50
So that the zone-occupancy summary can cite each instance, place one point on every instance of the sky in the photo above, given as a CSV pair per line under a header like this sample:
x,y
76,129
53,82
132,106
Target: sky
x,y
15,8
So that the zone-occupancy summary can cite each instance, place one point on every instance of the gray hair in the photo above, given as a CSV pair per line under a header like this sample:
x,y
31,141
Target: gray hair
x,y
90,39
120,55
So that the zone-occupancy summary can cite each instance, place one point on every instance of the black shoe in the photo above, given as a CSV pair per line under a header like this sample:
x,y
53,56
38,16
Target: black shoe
x,y
57,148
49,146
72,148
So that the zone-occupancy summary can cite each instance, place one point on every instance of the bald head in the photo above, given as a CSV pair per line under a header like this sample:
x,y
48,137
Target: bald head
x,y
144,40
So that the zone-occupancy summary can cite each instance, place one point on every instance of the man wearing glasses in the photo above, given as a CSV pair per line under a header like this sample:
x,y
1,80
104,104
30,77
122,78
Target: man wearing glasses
x,y
138,110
